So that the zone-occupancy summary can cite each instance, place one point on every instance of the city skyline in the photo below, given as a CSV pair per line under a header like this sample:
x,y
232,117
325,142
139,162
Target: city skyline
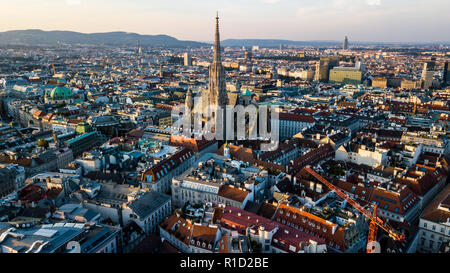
x,y
127,144
361,20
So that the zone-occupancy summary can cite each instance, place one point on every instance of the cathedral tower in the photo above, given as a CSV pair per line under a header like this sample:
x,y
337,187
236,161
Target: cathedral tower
x,y
216,93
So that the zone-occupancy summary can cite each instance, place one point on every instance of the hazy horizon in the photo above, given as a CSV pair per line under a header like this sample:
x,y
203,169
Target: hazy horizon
x,y
383,21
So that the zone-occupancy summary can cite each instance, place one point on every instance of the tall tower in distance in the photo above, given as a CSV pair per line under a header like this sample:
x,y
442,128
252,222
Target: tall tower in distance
x,y
139,48
187,59
446,75
427,73
345,43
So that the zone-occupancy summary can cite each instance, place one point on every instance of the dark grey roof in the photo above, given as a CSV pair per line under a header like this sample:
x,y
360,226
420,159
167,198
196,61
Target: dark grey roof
x,y
97,238
148,203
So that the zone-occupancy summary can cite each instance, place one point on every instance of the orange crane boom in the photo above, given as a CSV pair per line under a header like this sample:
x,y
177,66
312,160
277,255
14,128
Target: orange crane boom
x,y
376,220
371,247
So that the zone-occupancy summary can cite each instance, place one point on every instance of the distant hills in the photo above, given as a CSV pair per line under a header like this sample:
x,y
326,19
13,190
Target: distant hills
x,y
40,37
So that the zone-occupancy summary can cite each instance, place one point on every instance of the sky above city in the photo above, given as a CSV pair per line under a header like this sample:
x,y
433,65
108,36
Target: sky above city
x,y
301,20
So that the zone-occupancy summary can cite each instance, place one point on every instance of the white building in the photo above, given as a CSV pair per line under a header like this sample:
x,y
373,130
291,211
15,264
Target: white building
x,y
362,155
124,204
434,224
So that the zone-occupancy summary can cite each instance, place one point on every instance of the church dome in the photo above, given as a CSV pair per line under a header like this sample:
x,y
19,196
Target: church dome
x,y
246,93
61,93
83,128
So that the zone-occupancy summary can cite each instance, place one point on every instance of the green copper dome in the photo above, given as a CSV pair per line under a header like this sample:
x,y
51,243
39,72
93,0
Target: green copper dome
x,y
246,93
61,93
83,128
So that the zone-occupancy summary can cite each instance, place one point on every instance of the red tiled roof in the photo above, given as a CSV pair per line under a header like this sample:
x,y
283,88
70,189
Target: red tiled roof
x,y
205,235
312,157
178,226
362,192
422,184
165,166
24,162
394,202
284,238
240,153
247,155
296,117
314,225
287,238
31,193
190,143
232,193
242,219
47,117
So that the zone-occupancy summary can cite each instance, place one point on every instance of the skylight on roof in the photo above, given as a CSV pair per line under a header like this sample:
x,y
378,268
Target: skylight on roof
x,y
49,233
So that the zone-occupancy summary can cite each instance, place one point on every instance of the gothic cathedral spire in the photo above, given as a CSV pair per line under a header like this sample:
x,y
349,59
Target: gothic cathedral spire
x,y
217,58
217,94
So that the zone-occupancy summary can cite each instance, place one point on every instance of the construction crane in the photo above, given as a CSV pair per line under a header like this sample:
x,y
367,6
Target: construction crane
x,y
375,221
54,70
372,238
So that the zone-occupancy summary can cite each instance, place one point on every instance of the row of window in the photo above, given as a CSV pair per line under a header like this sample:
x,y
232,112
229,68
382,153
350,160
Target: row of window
x,y
433,227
